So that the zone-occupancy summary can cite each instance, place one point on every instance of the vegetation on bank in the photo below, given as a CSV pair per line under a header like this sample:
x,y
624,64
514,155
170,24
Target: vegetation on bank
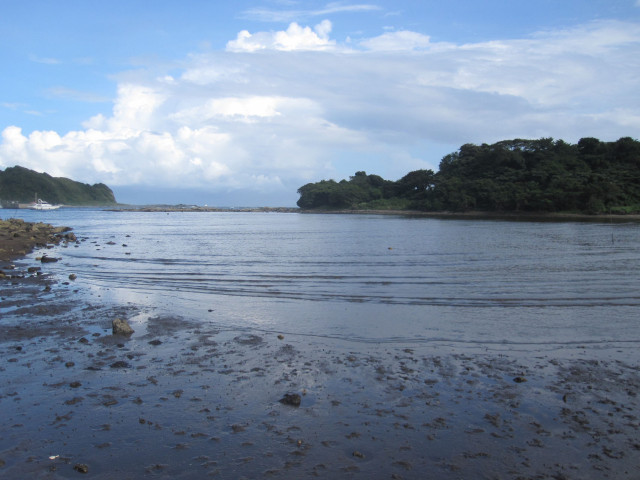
x,y
509,176
21,184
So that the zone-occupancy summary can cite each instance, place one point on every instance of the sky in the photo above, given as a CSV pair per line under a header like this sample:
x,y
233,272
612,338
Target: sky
x,y
241,103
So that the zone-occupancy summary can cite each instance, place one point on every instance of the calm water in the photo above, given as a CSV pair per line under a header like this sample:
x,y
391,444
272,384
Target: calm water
x,y
366,278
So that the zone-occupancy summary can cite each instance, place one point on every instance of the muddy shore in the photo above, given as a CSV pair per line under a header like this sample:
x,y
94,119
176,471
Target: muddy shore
x,y
184,398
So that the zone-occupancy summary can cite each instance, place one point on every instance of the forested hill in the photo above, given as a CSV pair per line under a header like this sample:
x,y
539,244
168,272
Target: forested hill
x,y
21,184
543,175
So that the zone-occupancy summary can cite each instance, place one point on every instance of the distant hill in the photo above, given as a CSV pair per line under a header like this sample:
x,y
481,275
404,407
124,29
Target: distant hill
x,y
21,184
509,176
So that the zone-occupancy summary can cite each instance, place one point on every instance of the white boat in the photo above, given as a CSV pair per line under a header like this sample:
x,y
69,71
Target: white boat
x,y
40,204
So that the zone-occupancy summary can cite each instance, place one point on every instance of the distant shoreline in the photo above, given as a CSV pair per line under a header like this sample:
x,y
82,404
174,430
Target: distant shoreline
x,y
475,215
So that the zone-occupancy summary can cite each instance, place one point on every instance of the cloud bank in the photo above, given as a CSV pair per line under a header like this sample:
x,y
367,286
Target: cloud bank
x,y
280,108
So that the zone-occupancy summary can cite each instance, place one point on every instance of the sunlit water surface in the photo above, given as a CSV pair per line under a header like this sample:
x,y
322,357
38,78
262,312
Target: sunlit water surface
x,y
364,278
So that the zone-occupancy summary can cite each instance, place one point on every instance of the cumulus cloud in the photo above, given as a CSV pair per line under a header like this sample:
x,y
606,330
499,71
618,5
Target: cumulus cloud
x,y
301,106
294,38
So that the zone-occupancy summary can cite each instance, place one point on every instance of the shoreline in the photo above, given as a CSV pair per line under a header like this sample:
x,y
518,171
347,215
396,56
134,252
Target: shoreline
x,y
182,398
474,215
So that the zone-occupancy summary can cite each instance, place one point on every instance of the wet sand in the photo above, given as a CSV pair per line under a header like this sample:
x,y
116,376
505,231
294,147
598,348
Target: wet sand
x,y
184,398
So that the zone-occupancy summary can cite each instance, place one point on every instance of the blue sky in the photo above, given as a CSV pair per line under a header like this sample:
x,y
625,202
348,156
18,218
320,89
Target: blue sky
x,y
240,103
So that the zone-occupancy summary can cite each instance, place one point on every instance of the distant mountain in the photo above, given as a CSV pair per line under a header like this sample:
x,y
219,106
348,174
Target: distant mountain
x,y
21,184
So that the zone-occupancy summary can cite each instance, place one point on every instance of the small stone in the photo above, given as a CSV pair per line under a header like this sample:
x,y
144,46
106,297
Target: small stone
x,y
519,379
121,327
292,399
75,384
69,364
358,454
81,468
155,342
280,337
73,276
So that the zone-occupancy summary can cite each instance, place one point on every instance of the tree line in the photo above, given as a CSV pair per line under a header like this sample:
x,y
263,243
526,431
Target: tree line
x,y
542,175
22,184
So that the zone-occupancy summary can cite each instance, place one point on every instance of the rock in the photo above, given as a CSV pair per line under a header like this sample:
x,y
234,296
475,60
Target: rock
x,y
155,342
358,454
121,327
280,337
33,269
73,276
45,259
292,399
81,468
120,364
519,379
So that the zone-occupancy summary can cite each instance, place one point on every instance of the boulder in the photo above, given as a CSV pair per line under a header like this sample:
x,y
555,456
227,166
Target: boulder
x,y
121,327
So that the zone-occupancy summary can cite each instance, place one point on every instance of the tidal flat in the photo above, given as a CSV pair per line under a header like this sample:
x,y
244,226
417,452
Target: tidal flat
x,y
272,345
182,398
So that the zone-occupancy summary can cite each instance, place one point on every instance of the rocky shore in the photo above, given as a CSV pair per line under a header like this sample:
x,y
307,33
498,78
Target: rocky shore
x,y
18,238
116,391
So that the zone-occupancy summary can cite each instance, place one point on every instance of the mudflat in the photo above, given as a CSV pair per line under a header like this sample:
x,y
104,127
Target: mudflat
x,y
182,397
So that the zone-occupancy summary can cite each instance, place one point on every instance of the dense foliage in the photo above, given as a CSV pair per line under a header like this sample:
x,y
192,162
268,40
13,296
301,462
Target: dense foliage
x,y
513,175
21,184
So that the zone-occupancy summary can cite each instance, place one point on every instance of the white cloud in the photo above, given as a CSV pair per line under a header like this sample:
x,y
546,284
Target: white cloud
x,y
44,60
304,107
271,15
294,38
395,41
76,95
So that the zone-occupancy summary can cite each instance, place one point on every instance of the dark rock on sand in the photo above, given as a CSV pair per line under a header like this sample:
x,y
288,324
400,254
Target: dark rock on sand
x,y
292,399
81,468
121,327
45,259
120,364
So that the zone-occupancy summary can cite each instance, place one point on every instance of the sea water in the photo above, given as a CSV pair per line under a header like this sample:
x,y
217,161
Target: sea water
x,y
488,284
